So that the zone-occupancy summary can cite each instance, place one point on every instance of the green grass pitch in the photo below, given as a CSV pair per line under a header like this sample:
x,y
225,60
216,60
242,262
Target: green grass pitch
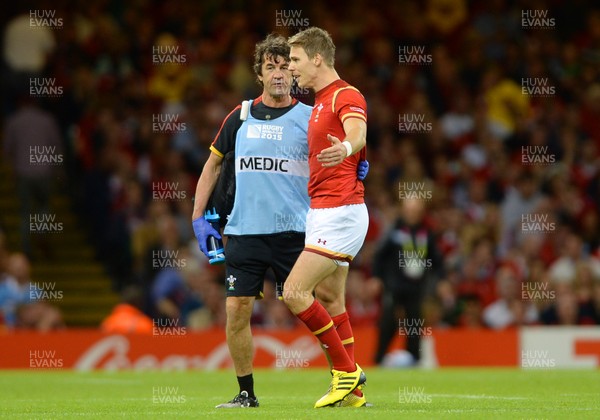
x,y
290,394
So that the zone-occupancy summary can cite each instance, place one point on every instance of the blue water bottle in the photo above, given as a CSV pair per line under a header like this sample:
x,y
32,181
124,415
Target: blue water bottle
x,y
216,253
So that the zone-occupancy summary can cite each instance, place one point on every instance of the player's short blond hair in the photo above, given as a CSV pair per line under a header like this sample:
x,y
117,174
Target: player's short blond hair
x,y
315,41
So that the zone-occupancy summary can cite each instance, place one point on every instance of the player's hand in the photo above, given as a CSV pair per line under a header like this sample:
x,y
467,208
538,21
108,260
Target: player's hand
x,y
363,170
333,155
202,230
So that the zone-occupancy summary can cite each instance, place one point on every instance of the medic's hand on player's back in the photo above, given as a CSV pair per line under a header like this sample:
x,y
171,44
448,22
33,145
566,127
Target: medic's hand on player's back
x,y
363,170
202,230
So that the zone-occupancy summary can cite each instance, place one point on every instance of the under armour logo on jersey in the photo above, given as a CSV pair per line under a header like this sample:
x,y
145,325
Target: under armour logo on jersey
x,y
321,241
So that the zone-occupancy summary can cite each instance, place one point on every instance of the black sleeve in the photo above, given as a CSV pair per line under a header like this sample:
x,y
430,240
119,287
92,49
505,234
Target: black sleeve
x,y
223,196
224,141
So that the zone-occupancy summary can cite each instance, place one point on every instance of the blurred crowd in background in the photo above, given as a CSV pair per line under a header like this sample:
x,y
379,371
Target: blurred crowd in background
x,y
488,155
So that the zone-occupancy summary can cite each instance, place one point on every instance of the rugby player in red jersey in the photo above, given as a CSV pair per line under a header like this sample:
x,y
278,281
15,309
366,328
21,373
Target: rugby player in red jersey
x,y
337,221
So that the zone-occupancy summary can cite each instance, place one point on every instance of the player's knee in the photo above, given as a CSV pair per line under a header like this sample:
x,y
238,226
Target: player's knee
x,y
332,303
287,296
291,295
239,311
325,296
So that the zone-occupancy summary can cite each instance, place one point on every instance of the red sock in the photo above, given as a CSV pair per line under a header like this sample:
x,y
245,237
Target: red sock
x,y
320,324
344,330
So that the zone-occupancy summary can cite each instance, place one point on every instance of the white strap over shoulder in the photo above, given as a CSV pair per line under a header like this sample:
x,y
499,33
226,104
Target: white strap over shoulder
x,y
245,110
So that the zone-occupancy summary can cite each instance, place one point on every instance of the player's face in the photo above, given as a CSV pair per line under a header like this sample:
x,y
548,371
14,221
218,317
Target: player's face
x,y
303,69
276,77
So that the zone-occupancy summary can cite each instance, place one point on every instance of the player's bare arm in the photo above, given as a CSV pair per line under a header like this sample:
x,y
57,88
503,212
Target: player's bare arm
x,y
356,136
206,183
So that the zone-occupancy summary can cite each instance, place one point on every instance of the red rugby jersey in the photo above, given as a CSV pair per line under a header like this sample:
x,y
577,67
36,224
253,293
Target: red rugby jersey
x,y
336,186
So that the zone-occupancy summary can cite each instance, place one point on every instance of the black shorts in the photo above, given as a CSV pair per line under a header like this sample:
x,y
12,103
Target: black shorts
x,y
247,259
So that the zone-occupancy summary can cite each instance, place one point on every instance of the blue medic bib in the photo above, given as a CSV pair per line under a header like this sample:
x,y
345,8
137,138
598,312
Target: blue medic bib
x,y
271,170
